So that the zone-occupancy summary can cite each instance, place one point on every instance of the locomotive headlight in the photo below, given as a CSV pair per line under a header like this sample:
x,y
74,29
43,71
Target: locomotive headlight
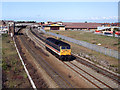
x,y
62,51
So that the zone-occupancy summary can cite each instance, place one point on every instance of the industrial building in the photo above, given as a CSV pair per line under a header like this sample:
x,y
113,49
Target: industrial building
x,y
70,26
53,26
81,26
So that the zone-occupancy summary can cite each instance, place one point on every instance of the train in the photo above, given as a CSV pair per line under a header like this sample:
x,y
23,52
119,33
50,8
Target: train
x,y
59,48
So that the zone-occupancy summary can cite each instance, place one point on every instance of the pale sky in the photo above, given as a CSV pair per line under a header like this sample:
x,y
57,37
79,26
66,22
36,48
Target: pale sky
x,y
61,11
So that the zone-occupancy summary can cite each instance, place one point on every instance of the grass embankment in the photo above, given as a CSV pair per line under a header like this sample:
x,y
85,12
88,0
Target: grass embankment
x,y
13,74
105,41
96,57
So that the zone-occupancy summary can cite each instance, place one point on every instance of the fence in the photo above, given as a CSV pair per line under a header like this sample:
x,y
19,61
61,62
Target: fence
x,y
94,47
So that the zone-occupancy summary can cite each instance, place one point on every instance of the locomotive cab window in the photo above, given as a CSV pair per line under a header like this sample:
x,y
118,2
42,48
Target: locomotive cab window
x,y
63,47
68,47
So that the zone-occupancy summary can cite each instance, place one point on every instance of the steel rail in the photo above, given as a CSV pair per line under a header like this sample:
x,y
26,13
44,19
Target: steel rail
x,y
91,76
82,76
58,81
101,70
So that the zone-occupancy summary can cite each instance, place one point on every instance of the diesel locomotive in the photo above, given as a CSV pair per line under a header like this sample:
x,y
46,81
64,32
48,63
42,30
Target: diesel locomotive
x,y
60,49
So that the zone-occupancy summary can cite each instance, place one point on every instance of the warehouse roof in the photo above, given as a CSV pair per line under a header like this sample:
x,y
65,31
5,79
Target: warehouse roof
x,y
81,25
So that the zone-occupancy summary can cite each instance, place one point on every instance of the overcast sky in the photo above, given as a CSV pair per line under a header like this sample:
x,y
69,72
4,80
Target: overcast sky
x,y
61,11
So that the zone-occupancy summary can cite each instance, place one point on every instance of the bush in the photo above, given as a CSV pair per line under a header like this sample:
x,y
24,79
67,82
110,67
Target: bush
x,y
5,35
8,41
4,66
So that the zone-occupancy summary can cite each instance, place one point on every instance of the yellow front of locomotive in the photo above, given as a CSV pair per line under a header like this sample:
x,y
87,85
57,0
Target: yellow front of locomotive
x,y
65,50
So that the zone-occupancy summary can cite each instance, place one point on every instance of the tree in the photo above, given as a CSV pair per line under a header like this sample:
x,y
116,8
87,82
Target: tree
x,y
116,29
42,22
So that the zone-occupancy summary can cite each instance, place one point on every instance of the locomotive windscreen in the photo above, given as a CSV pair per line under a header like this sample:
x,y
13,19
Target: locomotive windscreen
x,y
58,42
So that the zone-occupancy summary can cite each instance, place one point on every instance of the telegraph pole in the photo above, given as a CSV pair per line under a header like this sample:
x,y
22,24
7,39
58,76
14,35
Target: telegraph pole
x,y
14,29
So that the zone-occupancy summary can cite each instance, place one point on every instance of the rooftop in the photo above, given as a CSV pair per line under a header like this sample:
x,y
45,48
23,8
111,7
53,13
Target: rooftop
x,y
81,25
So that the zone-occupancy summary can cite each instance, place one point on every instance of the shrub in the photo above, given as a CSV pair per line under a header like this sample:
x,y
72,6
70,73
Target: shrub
x,y
4,66
8,41
5,35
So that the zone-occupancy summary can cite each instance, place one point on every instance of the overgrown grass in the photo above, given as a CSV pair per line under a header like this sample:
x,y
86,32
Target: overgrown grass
x,y
12,68
93,56
105,41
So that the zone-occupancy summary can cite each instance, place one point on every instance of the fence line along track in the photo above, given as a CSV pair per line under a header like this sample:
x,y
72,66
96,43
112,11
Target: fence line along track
x,y
59,79
97,68
106,51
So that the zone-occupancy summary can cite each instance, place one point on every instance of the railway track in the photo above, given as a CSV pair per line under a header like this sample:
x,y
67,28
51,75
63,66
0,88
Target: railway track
x,y
87,76
89,64
99,69
91,78
57,77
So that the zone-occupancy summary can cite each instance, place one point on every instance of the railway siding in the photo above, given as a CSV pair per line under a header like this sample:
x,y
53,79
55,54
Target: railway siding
x,y
97,68
113,86
70,75
61,81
